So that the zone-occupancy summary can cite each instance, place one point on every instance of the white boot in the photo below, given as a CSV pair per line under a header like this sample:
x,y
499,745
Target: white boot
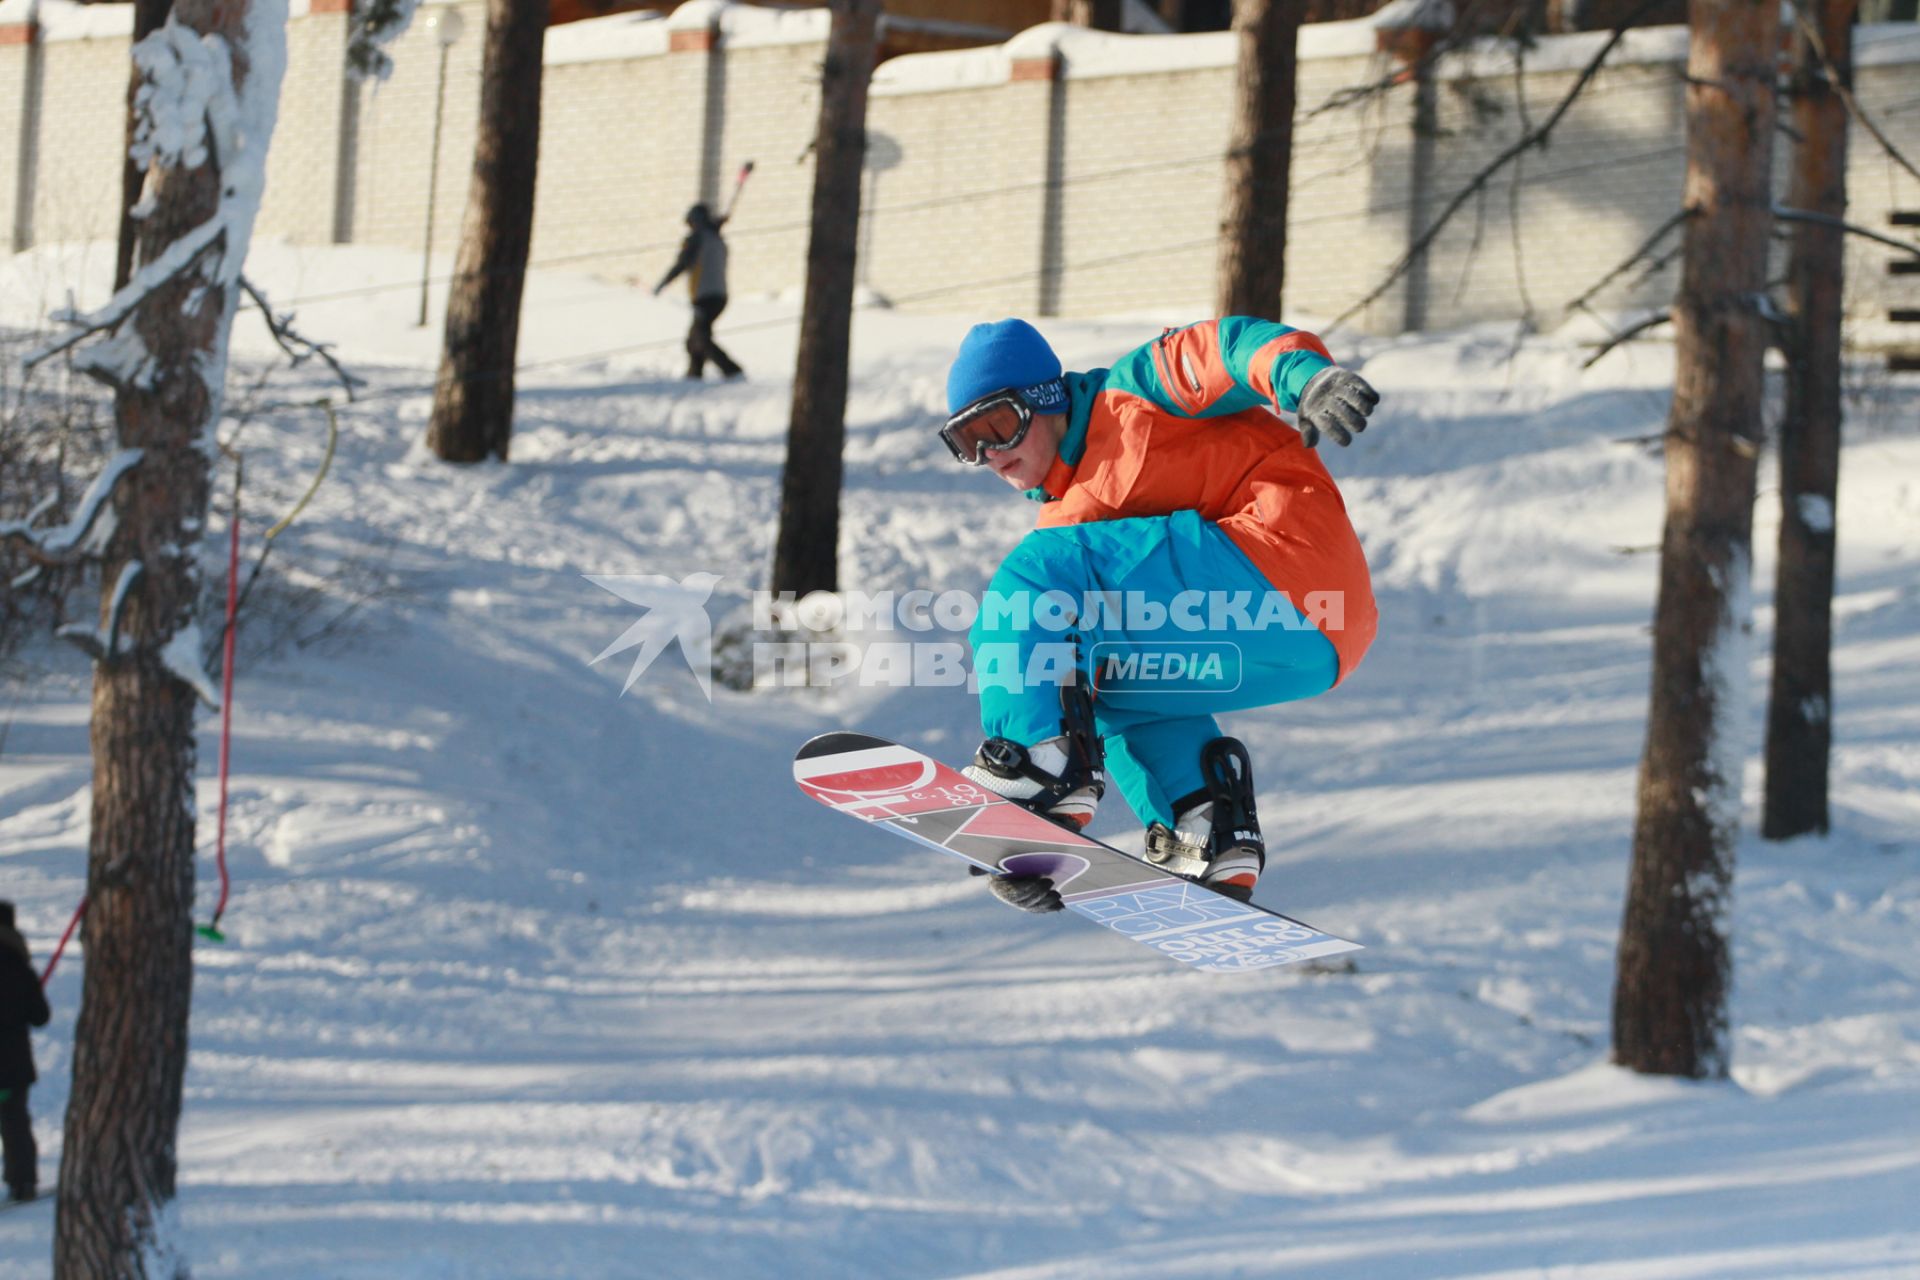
x,y
1046,777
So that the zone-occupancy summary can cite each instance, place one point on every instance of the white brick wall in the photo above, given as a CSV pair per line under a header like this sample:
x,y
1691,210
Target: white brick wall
x,y
1095,193
303,166
82,126
14,71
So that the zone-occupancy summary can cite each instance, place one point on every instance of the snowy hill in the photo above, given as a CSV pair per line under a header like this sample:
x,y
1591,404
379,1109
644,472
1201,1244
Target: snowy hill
x,y
526,978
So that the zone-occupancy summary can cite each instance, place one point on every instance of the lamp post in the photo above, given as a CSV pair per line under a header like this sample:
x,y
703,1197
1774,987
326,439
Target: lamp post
x,y
446,24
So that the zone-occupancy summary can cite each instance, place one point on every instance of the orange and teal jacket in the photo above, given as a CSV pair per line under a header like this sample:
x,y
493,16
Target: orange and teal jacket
x,y
1185,423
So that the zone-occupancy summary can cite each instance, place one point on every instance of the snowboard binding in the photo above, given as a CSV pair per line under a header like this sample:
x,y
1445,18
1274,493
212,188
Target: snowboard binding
x,y
1061,778
1216,837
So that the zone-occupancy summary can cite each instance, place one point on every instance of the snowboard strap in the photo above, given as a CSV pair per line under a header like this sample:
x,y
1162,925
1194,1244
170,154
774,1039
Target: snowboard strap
x,y
1228,773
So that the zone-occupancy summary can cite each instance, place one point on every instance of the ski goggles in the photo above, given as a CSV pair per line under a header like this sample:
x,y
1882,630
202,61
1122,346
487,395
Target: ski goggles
x,y
988,425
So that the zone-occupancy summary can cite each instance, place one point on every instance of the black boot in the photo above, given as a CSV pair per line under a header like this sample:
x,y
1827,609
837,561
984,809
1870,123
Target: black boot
x,y
1216,834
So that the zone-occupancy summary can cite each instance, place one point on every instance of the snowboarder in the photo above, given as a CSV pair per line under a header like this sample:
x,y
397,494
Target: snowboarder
x,y
22,1005
1193,556
703,257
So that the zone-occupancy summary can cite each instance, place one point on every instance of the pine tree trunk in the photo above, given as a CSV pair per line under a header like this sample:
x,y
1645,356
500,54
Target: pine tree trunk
x,y
117,1168
1799,712
1253,230
148,16
1670,997
473,399
806,551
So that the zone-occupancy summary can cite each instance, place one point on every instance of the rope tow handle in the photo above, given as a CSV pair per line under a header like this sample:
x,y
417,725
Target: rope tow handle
x,y
211,929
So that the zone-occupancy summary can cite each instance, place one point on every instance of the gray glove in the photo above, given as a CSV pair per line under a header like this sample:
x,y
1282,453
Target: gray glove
x,y
1029,893
1335,401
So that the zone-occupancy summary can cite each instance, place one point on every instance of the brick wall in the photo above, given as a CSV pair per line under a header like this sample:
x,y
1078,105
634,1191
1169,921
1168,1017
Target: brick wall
x,y
1066,172
304,170
392,149
17,57
82,124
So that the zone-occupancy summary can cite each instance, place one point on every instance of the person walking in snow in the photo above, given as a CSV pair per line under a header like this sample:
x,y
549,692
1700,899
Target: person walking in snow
x,y
22,1005
1186,525
703,258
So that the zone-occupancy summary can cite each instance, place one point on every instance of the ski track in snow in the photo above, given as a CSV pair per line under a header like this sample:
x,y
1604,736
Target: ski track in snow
x,y
525,978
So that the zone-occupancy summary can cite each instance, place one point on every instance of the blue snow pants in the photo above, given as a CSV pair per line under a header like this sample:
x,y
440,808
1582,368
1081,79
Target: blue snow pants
x,y
1172,623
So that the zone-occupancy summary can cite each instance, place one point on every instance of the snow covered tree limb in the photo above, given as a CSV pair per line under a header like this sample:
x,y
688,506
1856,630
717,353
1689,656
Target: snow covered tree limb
x,y
179,256
102,643
71,541
1535,137
375,24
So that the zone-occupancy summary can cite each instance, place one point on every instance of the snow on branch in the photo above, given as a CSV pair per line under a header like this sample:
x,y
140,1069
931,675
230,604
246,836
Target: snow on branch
x,y
187,111
375,24
178,257
71,540
182,658
185,104
103,642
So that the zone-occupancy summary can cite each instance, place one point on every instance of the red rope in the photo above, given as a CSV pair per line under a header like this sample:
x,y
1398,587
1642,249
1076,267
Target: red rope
x,y
226,697
226,733
62,948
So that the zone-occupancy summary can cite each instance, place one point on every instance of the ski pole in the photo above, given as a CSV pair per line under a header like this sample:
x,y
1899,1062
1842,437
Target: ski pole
x,y
738,183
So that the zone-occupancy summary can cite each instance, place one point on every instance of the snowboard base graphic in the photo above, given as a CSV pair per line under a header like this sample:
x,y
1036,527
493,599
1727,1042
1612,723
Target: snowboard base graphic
x,y
888,785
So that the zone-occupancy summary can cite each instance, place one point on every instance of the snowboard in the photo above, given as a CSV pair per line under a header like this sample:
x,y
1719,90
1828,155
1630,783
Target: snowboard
x,y
888,785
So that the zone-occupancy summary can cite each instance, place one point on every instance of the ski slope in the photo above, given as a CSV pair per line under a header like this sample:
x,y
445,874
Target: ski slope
x,y
525,978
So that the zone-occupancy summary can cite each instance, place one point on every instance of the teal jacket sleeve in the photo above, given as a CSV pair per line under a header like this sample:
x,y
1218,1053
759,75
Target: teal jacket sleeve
x,y
1218,367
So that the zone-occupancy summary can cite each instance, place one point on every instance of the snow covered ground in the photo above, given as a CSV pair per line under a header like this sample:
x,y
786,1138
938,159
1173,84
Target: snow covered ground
x,y
526,978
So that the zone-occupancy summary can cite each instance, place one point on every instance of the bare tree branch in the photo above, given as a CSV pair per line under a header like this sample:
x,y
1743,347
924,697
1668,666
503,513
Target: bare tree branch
x,y
1461,31
1535,137
1628,334
298,347
1787,214
1664,230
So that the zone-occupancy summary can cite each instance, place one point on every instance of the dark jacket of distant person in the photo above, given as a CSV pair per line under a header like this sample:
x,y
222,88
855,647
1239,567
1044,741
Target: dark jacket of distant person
x,y
703,257
22,1005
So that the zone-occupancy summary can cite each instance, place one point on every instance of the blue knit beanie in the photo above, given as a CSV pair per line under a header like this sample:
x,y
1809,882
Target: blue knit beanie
x,y
1007,355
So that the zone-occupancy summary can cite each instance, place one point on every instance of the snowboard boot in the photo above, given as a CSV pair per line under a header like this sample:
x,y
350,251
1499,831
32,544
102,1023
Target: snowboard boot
x,y
1061,778
1215,838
